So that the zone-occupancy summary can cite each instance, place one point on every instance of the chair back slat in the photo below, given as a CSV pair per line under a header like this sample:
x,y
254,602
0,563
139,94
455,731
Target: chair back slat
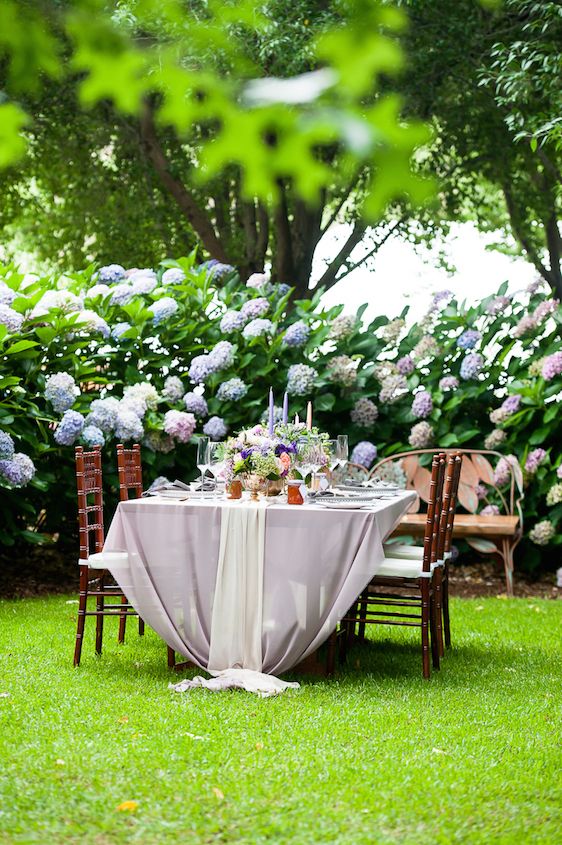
x,y
453,502
89,487
129,468
428,540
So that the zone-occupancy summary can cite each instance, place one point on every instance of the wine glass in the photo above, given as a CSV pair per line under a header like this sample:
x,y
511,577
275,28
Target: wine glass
x,y
331,453
216,460
342,451
203,461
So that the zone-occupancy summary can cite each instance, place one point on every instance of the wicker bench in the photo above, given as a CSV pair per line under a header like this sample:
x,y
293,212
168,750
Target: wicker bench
x,y
494,534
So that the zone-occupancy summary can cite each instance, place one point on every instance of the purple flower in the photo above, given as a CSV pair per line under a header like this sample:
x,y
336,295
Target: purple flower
x,y
469,339
222,355
121,294
92,322
421,435
405,365
232,390
257,281
7,295
297,334
552,366
173,389
180,425
232,321
502,473
119,330
545,309
257,328
511,404
200,369
393,388
471,365
6,446
559,472
255,308
217,270
448,383
69,428
18,470
173,276
10,318
215,428
494,439
534,460
481,491
498,304
364,453
490,510
163,309
526,324
342,370
282,289
128,425
364,413
422,406
93,436
196,404
534,286
442,296
111,273
61,391
300,379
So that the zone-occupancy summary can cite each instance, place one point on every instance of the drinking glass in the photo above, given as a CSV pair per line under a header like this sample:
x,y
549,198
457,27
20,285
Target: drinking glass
x,y
343,450
216,461
203,461
331,453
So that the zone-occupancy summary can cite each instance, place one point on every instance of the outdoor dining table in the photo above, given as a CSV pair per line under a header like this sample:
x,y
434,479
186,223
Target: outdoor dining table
x,y
315,563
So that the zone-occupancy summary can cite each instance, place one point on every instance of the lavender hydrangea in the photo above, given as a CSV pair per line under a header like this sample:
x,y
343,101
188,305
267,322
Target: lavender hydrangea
x,y
421,435
364,453
281,289
391,332
69,428
342,327
471,365
93,436
545,309
255,308
422,406
222,355
97,290
215,428
173,389
554,495
92,322
481,491
196,403
542,533
405,365
111,273
6,446
121,294
364,413
297,334
559,472
392,389
534,286
552,366
103,414
502,472
10,318
180,425
257,328
173,276
61,391
300,379
18,470
468,339
448,383
527,323
232,390
497,305
7,295
217,270
162,309
442,297
490,510
534,459
342,370
128,425
232,321
425,348
201,368
495,439
508,407
119,330
258,281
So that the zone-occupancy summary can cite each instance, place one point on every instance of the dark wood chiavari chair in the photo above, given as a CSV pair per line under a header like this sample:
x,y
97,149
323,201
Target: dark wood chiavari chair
x,y
94,576
446,549
417,607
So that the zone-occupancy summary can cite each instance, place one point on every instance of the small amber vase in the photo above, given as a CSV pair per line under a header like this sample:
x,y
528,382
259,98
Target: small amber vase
x,y
235,489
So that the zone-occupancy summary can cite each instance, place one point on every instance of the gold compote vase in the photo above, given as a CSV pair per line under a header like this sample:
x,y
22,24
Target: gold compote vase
x,y
255,484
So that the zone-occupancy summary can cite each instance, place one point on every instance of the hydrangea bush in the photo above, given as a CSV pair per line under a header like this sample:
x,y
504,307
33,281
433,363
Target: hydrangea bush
x,y
161,356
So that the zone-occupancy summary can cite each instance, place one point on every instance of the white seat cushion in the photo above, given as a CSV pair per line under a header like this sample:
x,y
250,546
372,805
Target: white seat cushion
x,y
104,560
400,568
403,550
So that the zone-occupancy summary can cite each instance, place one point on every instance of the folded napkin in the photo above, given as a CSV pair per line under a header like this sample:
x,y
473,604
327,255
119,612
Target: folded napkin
x,y
246,679
163,483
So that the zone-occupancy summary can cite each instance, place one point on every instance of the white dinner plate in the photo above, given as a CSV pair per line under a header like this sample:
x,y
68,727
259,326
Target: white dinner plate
x,y
343,505
172,494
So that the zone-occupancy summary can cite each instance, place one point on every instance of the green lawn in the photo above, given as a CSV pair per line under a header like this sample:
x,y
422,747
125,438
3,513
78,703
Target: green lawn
x,y
375,756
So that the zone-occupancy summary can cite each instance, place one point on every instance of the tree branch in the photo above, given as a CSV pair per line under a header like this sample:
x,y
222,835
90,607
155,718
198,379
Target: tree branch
x,y
263,234
333,217
522,237
349,268
329,279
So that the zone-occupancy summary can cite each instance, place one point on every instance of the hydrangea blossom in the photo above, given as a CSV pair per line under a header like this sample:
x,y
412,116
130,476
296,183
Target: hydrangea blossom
x,y
258,281
159,442
495,439
468,339
143,390
559,472
297,334
542,533
384,369
196,404
111,273
6,446
392,473
364,453
10,318
119,330
391,332
217,270
498,304
173,276
180,425
173,389
490,510
69,428
552,366
448,383
425,348
222,355
93,436
62,300
535,367
18,470
342,327
422,406
481,491
200,368
92,322
103,414
232,390
7,295
392,389
128,425
471,365
121,294
135,274
162,309
342,370
526,324
61,391
282,289
554,495
534,286
136,404
442,297
143,284
534,459
405,365
97,290
232,321
421,435
255,308
508,407
545,309
300,379
502,472
257,328
364,412
215,428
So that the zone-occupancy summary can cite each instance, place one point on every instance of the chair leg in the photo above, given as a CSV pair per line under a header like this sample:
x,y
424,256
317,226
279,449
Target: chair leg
x,y
100,601
82,602
438,600
362,617
508,565
171,657
434,636
141,627
122,621
425,627
446,620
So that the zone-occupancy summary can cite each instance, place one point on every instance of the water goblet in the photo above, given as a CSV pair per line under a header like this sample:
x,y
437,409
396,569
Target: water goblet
x,y
203,462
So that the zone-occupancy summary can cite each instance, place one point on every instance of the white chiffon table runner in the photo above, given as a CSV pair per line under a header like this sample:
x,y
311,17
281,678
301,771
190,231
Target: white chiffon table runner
x,y
264,605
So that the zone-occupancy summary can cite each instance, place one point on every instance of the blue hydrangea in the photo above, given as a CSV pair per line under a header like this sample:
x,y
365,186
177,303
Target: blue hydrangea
x,y
92,322
119,330
196,404
18,470
471,365
122,294
128,425
10,318
222,355
61,391
232,390
297,334
103,414
255,308
7,295
200,368
232,321
282,289
468,339
364,453
422,406
257,328
6,446
173,276
111,273
143,284
217,270
300,379
163,308
69,428
93,436
173,389
97,290
215,428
